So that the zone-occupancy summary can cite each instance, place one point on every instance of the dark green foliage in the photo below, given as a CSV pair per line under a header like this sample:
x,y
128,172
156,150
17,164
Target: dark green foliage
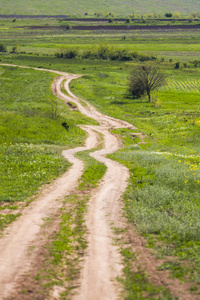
x,y
168,15
145,79
128,20
177,65
68,27
3,47
196,63
105,52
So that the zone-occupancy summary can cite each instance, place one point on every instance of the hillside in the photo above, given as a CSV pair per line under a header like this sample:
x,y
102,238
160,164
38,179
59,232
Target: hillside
x,y
80,8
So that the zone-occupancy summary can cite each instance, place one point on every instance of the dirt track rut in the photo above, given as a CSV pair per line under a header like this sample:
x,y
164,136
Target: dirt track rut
x,y
102,263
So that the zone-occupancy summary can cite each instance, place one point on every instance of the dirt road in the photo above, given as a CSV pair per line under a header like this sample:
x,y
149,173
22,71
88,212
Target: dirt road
x,y
102,261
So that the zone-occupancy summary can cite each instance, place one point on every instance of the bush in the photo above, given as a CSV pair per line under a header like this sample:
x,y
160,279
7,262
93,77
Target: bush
x,y
3,47
103,52
128,20
68,27
168,15
177,65
71,53
196,62
15,49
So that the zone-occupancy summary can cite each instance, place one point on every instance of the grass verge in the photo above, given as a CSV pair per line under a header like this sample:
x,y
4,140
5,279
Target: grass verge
x,y
61,257
32,137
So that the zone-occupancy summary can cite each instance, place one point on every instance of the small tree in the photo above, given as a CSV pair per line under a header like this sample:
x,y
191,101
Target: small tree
x,y
3,47
145,79
168,15
128,20
54,109
177,15
177,65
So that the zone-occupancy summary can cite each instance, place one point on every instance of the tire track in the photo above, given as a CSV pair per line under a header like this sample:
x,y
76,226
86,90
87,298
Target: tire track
x,y
103,261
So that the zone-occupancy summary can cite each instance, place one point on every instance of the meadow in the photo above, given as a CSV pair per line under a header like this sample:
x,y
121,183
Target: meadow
x,y
31,137
163,197
79,9
162,200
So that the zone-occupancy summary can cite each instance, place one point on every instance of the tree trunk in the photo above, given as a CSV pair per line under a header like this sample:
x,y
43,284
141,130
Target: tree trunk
x,y
149,95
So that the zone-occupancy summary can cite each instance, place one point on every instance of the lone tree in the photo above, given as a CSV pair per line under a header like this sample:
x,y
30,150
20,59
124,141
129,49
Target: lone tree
x,y
145,79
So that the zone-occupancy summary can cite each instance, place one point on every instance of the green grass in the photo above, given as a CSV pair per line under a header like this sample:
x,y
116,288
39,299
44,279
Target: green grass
x,y
61,266
136,283
31,139
77,8
163,197
180,45
93,172
162,200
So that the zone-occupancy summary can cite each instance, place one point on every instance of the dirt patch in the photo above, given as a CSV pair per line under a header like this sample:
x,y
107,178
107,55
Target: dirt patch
x,y
116,27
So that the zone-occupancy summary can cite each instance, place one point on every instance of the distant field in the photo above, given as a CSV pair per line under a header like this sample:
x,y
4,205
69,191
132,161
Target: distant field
x,y
80,8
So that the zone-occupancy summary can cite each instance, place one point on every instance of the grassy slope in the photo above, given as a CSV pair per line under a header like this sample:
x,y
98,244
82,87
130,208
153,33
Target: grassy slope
x,y
79,8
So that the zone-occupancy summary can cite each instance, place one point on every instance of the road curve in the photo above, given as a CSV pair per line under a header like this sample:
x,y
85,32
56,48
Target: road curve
x,y
102,261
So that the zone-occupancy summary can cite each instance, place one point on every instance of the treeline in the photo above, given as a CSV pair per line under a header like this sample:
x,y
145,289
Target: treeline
x,y
106,53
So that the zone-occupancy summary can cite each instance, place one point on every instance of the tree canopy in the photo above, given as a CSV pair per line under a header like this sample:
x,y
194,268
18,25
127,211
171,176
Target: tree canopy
x,y
145,79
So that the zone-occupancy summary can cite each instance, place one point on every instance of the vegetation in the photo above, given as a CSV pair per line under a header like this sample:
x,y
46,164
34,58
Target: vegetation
x,y
97,8
66,247
145,78
3,47
168,15
162,200
31,137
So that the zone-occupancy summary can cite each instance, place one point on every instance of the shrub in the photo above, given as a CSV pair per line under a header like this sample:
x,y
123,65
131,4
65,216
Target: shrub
x,y
68,27
190,19
71,53
177,65
196,62
168,15
15,49
177,15
103,52
3,47
128,20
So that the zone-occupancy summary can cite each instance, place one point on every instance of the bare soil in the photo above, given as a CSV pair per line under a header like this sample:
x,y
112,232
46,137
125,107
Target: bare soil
x,y
117,27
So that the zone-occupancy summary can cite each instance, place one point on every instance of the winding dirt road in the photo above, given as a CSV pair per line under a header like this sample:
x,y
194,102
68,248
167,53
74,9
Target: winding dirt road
x,y
102,263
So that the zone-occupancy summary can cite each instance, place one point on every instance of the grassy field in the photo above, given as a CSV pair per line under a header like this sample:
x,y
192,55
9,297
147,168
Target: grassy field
x,y
31,137
162,200
163,197
103,7
174,45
